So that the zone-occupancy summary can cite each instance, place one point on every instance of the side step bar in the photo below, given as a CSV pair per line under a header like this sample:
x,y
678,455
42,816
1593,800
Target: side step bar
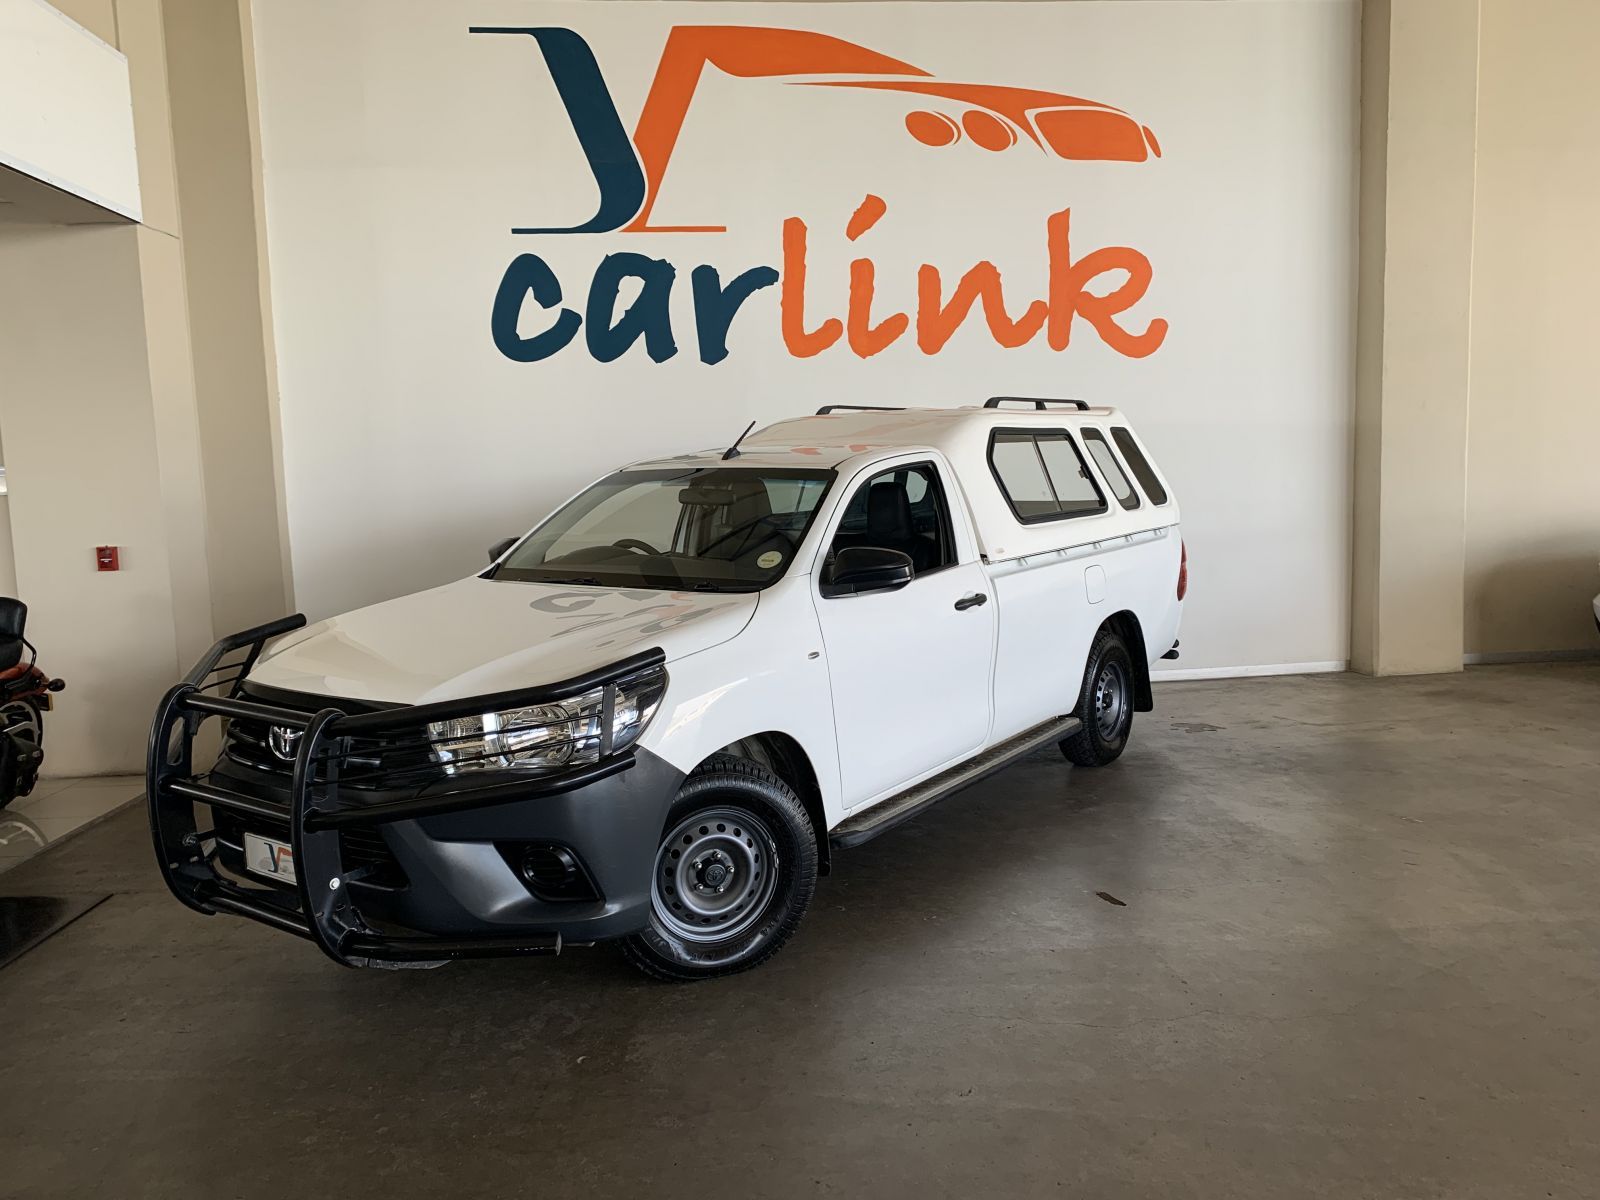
x,y
886,814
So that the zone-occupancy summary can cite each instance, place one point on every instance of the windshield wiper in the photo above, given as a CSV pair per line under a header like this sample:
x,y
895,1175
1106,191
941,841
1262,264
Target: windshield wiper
x,y
731,588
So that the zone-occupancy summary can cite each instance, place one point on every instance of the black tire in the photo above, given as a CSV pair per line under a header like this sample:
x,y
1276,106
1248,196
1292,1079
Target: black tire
x,y
21,748
1105,704
733,877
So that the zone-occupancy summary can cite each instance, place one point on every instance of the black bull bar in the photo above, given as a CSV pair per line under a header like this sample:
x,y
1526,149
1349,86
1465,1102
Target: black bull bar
x,y
322,909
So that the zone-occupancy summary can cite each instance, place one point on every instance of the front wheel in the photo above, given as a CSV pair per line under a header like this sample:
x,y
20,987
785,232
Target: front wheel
x,y
734,873
1105,705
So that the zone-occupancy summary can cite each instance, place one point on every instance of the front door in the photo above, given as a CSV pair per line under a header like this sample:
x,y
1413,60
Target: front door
x,y
909,668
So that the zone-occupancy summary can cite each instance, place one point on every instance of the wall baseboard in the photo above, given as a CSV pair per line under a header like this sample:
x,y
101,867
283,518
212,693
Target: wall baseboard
x,y
1305,668
1178,675
1528,656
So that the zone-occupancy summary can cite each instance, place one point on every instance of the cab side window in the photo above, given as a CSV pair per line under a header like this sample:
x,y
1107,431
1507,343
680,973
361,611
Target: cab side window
x,y
901,509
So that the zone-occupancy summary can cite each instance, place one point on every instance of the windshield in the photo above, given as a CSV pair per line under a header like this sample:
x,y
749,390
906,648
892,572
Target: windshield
x,y
732,529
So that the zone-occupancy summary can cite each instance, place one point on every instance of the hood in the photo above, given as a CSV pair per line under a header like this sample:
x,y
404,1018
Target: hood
x,y
482,635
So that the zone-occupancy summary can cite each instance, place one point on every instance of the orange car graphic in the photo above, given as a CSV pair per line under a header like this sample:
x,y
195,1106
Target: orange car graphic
x,y
992,116
997,118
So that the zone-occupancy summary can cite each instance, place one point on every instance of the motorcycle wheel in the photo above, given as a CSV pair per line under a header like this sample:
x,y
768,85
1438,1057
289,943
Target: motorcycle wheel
x,y
21,749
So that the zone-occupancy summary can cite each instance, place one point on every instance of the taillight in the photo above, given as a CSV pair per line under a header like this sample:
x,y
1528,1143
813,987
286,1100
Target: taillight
x,y
1183,570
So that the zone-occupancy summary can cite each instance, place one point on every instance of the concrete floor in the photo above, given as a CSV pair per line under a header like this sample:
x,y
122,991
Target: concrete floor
x,y
1360,956
57,809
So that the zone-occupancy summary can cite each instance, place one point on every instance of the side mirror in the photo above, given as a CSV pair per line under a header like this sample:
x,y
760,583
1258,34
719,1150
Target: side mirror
x,y
859,569
499,548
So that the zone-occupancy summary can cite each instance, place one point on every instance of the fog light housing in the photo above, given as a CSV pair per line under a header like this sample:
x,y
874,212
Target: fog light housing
x,y
549,870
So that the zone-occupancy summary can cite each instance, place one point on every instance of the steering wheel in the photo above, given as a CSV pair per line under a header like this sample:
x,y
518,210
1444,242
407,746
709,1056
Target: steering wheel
x,y
635,544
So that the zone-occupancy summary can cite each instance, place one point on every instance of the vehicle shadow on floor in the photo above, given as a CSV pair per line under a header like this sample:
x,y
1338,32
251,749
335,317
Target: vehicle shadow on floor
x,y
963,865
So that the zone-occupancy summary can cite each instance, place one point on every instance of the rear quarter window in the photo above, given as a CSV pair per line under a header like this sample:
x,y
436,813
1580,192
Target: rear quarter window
x,y
1139,465
1110,469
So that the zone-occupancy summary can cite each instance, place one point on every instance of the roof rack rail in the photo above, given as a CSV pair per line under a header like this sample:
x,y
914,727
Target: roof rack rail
x,y
828,408
1039,402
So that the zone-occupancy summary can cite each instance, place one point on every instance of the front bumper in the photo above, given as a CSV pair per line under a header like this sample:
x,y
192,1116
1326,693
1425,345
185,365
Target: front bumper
x,y
455,891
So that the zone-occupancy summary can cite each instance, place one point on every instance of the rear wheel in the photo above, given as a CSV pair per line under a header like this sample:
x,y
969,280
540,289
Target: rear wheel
x,y
734,873
21,748
1105,704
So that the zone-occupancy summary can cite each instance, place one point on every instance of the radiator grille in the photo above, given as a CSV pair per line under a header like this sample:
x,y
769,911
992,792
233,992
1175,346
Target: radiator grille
x,y
393,761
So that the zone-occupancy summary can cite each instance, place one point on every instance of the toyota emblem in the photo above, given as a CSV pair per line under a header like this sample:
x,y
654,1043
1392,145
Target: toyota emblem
x,y
283,740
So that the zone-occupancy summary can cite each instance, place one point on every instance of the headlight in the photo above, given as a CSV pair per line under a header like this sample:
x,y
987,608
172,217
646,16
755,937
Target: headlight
x,y
548,737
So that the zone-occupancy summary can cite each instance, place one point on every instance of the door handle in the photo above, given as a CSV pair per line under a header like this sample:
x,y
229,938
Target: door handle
x,y
971,601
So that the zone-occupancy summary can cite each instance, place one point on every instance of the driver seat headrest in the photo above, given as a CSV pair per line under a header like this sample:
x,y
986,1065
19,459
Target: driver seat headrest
x,y
889,509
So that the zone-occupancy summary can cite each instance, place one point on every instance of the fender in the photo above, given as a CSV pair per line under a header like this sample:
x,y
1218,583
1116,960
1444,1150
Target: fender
x,y
763,681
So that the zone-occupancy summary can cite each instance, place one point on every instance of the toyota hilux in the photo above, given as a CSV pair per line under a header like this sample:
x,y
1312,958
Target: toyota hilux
x,y
658,715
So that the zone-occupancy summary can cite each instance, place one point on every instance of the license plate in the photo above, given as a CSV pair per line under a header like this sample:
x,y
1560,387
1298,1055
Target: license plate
x,y
266,857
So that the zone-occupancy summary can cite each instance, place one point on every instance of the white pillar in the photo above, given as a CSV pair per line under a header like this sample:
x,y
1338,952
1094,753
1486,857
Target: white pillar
x,y
1419,93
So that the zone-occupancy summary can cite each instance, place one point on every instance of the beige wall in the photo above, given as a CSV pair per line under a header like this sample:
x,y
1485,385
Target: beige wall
x,y
99,17
8,559
80,432
1533,484
133,401
178,464
98,413
211,137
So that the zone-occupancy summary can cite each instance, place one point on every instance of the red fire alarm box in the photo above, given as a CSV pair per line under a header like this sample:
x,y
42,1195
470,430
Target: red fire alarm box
x,y
105,558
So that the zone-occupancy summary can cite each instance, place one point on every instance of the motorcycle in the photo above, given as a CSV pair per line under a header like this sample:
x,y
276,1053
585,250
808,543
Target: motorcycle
x,y
25,696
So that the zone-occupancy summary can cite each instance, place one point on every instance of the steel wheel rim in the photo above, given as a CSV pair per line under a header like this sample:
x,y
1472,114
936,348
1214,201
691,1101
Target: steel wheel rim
x,y
1110,700
715,872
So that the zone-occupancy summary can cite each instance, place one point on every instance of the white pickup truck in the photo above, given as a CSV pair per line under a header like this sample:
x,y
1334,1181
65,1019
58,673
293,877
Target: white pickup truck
x,y
656,716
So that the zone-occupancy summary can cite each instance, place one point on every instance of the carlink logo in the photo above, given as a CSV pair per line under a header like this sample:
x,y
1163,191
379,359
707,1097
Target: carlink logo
x,y
629,171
